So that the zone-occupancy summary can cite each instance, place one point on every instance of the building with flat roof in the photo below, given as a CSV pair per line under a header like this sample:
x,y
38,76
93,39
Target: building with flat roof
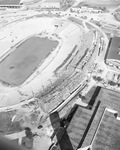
x,y
9,2
50,4
23,2
96,126
112,57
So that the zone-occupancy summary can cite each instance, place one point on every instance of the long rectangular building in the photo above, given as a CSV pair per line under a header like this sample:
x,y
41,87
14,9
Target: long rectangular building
x,y
96,126
9,2
112,57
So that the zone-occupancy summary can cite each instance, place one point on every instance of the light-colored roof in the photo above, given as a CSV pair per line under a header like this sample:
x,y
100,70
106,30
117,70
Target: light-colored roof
x,y
27,1
52,1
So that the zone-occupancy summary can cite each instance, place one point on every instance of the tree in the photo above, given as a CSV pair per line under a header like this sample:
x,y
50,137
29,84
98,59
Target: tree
x,y
97,78
111,83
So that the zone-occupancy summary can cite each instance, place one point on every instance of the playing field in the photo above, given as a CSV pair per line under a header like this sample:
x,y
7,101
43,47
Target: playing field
x,y
21,63
9,2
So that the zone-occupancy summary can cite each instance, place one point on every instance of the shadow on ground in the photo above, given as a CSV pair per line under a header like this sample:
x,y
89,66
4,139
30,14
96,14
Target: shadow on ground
x,y
60,133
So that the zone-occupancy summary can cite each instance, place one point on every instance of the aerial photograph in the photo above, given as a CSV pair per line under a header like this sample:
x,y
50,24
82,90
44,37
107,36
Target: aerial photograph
x,y
59,74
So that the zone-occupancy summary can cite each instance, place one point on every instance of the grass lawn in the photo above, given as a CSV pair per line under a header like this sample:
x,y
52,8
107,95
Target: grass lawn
x,y
21,63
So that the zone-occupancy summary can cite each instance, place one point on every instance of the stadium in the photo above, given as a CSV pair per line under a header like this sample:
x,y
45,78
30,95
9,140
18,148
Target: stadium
x,y
48,96
41,41
43,56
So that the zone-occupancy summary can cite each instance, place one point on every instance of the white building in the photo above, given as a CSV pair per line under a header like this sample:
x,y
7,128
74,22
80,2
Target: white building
x,y
85,10
28,1
50,4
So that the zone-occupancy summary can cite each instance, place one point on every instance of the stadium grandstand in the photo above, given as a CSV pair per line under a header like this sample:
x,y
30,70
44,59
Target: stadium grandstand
x,y
15,4
10,4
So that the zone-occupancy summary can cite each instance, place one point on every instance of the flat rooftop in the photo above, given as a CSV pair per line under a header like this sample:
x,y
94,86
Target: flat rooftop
x,y
9,2
102,132
114,49
24,60
108,135
96,124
